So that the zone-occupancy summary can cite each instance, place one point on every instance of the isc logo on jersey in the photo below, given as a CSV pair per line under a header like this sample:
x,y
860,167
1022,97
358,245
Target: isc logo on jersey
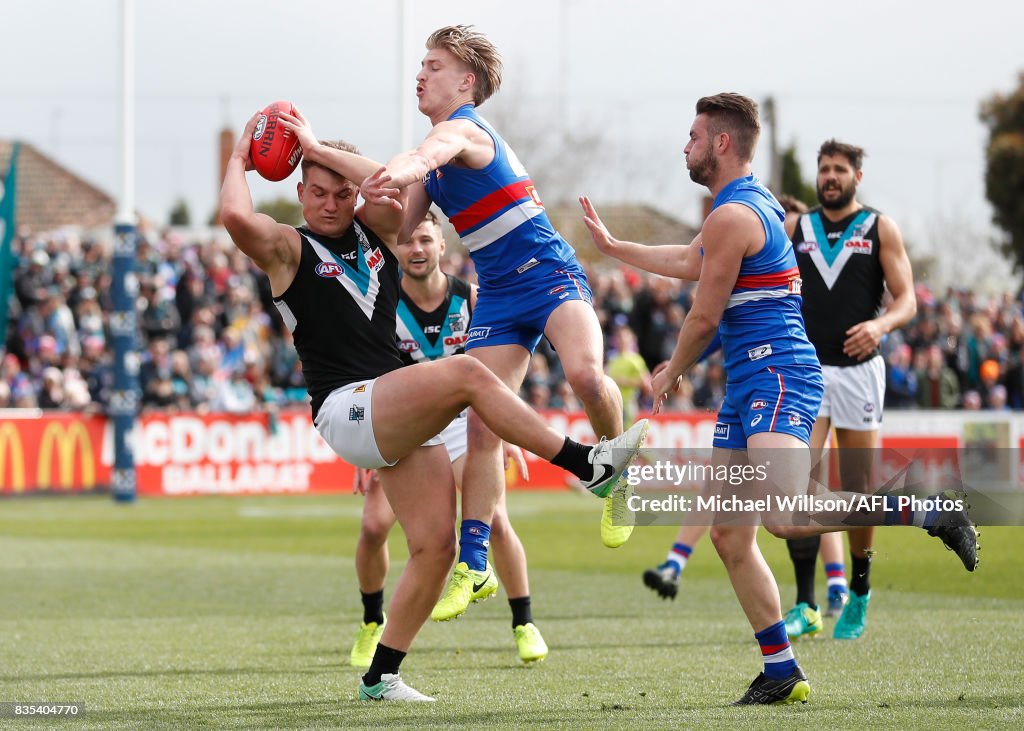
x,y
328,269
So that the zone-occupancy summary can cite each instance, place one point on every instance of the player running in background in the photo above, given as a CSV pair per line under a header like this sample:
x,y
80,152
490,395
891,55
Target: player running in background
x,y
849,255
749,292
336,282
531,284
434,314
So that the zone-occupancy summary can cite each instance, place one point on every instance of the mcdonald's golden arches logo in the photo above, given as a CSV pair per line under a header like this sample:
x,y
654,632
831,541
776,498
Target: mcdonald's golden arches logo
x,y
11,449
65,437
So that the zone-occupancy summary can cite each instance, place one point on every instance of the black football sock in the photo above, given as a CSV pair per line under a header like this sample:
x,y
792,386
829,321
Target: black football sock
x,y
573,457
860,575
521,613
804,554
385,660
373,607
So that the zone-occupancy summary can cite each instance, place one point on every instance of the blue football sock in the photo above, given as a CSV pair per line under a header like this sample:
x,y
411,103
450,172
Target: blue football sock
x,y
776,651
473,542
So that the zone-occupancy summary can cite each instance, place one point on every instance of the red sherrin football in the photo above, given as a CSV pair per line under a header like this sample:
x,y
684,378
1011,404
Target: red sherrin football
x,y
274,150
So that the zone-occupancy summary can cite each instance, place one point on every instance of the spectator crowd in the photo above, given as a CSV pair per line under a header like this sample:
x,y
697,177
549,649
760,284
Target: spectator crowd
x,y
211,338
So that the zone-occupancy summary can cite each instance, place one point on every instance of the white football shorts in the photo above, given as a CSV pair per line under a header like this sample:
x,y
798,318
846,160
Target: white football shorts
x,y
854,395
345,421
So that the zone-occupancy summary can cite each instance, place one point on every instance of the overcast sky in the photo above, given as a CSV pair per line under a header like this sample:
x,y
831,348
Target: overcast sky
x,y
903,79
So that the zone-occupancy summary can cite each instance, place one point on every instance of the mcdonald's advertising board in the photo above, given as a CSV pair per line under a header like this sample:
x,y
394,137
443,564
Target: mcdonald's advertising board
x,y
224,454
59,453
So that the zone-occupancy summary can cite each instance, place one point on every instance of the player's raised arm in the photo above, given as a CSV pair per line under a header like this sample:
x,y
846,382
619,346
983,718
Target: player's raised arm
x,y
682,261
447,141
729,232
260,237
350,165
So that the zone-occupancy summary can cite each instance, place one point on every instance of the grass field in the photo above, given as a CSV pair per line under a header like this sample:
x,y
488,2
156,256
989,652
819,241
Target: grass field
x,y
238,613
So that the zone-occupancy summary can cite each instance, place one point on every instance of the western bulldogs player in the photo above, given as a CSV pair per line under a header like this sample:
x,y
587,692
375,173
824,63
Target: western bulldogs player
x,y
530,282
749,291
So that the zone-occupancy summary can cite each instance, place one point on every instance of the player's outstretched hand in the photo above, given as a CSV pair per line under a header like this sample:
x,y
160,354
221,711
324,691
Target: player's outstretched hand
x,y
298,125
375,189
603,240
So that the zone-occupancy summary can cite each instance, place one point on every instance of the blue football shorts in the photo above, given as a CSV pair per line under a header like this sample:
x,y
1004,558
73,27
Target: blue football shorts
x,y
517,312
781,398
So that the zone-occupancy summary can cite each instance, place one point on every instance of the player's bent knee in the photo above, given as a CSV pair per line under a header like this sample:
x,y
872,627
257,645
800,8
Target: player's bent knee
x,y
781,530
587,382
732,545
472,376
715,533
501,528
479,436
438,549
374,533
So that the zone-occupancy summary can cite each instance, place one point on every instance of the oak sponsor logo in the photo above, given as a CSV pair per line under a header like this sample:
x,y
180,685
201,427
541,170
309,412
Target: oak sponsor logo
x,y
859,246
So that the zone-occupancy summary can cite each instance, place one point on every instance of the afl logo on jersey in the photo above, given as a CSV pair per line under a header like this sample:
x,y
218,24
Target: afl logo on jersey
x,y
329,270
806,247
408,346
758,405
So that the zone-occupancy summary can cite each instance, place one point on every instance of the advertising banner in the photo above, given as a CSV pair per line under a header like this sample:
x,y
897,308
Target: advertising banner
x,y
224,454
